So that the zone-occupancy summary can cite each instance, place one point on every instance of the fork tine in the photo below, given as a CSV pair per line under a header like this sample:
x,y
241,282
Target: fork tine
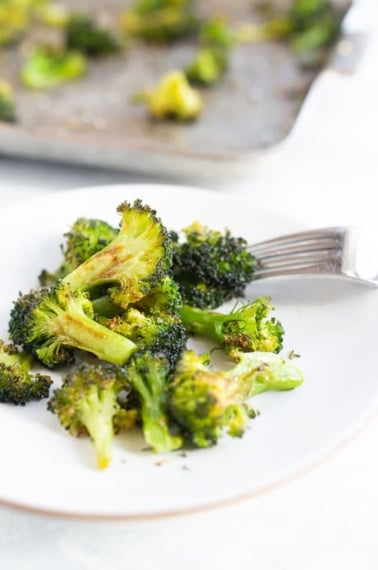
x,y
326,267
312,240
295,257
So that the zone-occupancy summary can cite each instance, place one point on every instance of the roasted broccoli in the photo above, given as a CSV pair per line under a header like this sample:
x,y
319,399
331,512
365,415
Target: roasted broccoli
x,y
216,40
206,402
314,25
85,238
164,297
149,376
160,21
14,20
85,36
50,323
172,98
18,384
207,67
245,328
87,404
309,26
49,66
210,267
7,103
133,262
162,333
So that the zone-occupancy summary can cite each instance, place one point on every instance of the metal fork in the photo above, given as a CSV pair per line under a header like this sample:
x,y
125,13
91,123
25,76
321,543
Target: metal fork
x,y
348,252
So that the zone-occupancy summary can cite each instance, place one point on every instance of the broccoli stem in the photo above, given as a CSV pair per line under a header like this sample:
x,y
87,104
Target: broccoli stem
x,y
81,332
205,323
150,383
264,371
97,416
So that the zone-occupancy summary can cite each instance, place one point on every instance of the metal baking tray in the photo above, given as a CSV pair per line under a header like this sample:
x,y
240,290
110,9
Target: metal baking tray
x,y
92,121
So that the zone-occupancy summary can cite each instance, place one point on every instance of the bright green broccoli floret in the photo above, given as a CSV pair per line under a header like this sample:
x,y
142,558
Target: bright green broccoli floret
x,y
18,385
87,404
85,36
85,238
133,262
245,328
208,66
212,58
210,266
217,32
50,323
49,66
160,21
206,402
7,103
149,376
173,98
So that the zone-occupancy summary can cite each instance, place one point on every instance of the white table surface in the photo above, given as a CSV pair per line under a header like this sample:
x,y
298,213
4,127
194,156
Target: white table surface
x,y
325,173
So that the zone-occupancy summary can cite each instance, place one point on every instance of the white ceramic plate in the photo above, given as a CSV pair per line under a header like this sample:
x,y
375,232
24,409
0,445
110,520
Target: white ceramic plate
x,y
333,325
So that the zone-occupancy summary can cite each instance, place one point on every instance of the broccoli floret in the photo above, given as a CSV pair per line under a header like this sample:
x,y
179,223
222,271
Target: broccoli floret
x,y
210,266
217,32
50,323
48,66
162,333
85,238
314,25
310,27
206,402
85,36
245,328
208,66
165,297
173,98
149,376
18,385
133,262
86,404
160,21
14,20
7,103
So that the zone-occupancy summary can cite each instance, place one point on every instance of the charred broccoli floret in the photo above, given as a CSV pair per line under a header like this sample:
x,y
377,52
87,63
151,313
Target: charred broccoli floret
x,y
245,328
7,103
149,376
133,262
165,297
160,21
210,266
85,238
207,402
85,36
162,333
87,404
18,384
51,323
173,98
49,66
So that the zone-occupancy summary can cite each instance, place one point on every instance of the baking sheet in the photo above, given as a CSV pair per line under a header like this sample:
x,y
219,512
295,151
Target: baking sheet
x,y
92,120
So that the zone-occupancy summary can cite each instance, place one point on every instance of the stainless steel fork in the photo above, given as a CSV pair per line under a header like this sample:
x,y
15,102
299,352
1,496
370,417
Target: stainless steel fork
x,y
348,252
